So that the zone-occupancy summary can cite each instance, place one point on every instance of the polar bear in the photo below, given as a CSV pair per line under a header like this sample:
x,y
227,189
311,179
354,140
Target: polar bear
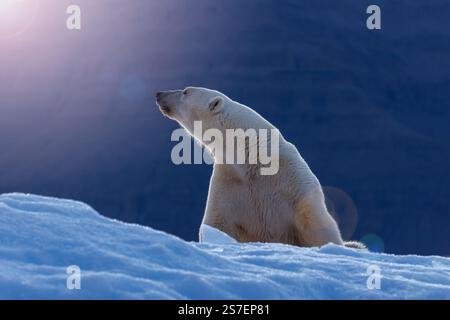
x,y
286,207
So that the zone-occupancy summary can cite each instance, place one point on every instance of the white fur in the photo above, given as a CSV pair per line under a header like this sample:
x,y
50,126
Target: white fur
x,y
287,207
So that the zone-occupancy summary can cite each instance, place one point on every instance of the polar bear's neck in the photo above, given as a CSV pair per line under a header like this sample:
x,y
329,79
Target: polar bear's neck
x,y
248,144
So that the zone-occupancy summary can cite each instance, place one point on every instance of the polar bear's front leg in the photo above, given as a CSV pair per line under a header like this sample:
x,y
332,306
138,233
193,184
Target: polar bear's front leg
x,y
228,207
214,215
213,219
314,223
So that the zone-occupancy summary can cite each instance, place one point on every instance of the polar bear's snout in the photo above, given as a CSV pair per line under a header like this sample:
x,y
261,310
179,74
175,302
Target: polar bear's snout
x,y
166,100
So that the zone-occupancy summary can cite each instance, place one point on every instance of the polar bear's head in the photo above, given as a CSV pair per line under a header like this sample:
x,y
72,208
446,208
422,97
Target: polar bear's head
x,y
225,127
193,104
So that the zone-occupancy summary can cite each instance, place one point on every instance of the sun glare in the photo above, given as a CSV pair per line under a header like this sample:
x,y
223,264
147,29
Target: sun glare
x,y
16,16
7,5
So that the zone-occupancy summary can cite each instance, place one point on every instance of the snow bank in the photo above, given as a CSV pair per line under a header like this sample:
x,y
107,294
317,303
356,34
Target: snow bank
x,y
40,237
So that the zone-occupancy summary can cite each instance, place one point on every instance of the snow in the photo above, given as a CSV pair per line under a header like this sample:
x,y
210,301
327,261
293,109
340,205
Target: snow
x,y
209,234
41,237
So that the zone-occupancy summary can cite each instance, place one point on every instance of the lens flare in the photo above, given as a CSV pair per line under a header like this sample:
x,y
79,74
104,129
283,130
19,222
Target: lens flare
x,y
341,206
373,242
16,16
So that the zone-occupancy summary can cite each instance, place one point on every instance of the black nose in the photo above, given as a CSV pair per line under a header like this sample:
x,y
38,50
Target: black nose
x,y
159,94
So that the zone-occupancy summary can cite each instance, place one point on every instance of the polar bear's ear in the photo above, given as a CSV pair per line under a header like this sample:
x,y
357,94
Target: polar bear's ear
x,y
216,104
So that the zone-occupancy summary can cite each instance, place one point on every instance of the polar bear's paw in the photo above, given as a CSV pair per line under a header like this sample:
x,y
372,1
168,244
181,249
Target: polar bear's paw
x,y
355,245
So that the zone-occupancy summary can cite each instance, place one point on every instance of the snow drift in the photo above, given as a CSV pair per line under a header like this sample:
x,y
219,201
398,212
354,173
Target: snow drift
x,y
40,237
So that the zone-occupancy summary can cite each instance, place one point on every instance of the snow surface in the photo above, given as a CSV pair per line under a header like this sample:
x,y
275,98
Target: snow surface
x,y
209,234
40,237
